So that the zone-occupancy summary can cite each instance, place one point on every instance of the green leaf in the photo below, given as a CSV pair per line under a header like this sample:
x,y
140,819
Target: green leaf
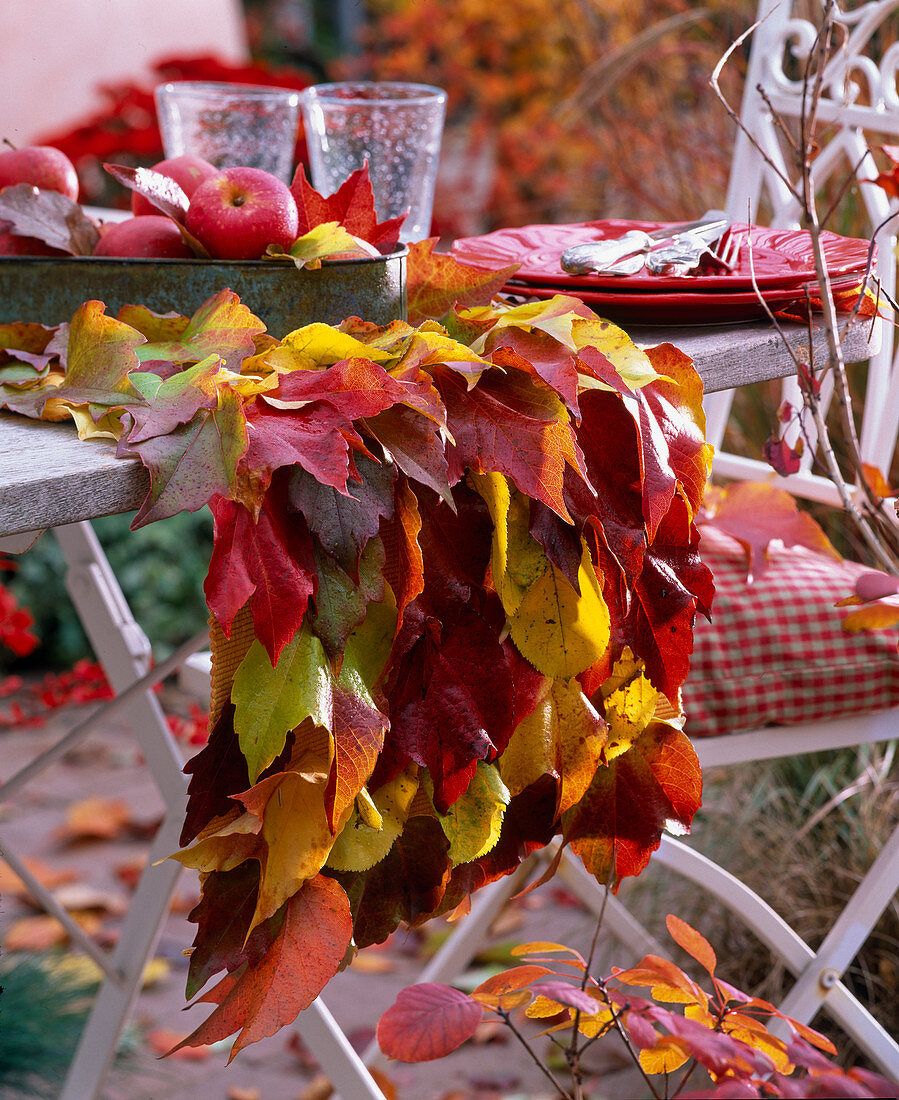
x,y
473,822
269,702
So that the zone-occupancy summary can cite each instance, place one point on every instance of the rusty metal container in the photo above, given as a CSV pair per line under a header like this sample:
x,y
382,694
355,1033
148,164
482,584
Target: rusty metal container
x,y
50,290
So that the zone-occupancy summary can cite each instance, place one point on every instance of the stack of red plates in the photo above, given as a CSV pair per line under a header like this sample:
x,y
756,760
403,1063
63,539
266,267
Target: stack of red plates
x,y
779,261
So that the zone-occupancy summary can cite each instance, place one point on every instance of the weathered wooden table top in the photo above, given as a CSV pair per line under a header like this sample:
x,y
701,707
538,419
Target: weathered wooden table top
x,y
49,477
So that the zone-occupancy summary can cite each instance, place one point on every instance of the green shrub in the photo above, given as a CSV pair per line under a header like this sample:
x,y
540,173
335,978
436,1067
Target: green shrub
x,y
159,567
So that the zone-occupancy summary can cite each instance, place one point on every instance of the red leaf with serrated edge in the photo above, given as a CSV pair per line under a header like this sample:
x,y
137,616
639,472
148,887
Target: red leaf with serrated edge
x,y
692,942
513,425
217,771
454,702
223,917
540,353
268,562
352,205
427,1021
356,387
358,732
416,445
262,996
436,282
673,585
174,400
404,569
781,456
314,437
618,823
755,514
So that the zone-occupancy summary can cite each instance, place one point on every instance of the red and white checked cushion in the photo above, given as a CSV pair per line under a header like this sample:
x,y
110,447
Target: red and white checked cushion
x,y
775,652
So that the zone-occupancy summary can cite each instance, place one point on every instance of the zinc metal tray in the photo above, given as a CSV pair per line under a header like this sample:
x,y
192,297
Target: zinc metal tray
x,y
50,290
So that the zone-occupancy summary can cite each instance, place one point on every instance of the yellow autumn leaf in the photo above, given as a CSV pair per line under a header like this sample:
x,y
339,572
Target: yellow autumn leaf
x,y
563,736
560,631
432,344
295,833
667,1056
554,316
472,824
109,425
319,345
631,362
629,708
226,848
360,844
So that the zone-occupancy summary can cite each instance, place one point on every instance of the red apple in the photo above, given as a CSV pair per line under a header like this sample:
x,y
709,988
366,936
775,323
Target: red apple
x,y
11,244
42,166
237,213
187,171
150,235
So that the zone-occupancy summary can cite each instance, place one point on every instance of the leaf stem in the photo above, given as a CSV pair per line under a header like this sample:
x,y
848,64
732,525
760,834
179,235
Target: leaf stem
x,y
545,1070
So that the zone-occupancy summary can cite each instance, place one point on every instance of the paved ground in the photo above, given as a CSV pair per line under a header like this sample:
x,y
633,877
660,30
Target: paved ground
x,y
109,767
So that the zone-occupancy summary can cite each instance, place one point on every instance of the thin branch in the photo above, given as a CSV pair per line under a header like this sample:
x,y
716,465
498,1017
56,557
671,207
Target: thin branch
x,y
545,1070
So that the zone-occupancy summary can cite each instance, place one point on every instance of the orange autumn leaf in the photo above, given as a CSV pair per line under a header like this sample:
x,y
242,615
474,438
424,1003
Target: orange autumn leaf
x,y
50,877
95,819
436,282
43,932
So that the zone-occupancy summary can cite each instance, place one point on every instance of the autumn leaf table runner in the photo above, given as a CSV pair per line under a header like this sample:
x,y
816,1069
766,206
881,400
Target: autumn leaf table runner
x,y
452,595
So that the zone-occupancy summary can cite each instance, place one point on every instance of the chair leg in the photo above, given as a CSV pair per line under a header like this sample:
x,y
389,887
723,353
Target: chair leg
x,y
124,652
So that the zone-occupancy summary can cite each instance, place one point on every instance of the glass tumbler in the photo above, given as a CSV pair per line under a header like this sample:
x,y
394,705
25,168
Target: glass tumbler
x,y
230,124
396,127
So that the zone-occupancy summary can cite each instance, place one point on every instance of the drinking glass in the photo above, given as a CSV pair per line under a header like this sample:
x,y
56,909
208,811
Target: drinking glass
x,y
396,127
230,124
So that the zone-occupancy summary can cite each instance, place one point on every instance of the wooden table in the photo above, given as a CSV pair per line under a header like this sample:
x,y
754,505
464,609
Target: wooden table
x,y
49,477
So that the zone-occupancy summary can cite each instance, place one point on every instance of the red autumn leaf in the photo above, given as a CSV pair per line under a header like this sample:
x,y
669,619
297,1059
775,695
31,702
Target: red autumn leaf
x,y
343,524
404,565
436,282
268,562
194,462
781,456
537,352
571,995
358,730
352,205
218,771
49,216
164,193
756,514
673,585
453,704
618,823
222,326
513,425
262,996
355,387
314,437
223,917
427,1021
416,445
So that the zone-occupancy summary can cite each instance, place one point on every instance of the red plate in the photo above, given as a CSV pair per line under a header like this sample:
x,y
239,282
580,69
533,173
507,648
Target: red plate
x,y
675,308
779,257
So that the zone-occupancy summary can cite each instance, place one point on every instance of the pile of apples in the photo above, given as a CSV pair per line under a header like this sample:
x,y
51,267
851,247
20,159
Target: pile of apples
x,y
234,213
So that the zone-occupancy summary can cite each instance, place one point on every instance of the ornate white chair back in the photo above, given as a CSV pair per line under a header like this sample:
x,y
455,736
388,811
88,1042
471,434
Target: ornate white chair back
x,y
858,110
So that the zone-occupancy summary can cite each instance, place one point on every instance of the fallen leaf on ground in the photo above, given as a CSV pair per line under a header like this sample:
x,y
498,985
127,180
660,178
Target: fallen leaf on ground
x,y
43,932
162,1039
95,819
235,1093
369,963
51,877
82,896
